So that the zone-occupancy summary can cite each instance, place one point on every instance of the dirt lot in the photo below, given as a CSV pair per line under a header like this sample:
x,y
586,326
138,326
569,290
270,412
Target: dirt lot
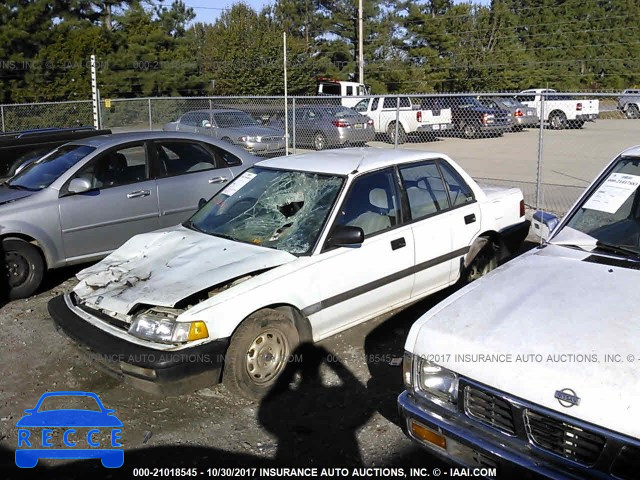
x,y
347,418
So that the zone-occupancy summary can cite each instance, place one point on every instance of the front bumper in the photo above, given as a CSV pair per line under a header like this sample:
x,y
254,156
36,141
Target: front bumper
x,y
263,147
471,446
434,127
151,370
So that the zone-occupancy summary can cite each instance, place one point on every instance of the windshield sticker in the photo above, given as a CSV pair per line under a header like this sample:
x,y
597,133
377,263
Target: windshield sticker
x,y
613,192
242,180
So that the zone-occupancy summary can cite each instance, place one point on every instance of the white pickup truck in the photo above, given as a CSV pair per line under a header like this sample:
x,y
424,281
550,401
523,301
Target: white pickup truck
x,y
412,117
533,370
560,111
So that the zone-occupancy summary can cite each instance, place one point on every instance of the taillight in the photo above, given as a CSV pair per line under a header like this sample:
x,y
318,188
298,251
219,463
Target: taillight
x,y
419,116
522,208
341,123
518,113
370,122
484,118
578,106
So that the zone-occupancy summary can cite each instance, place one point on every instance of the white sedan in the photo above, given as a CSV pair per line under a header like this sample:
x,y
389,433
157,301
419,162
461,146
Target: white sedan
x,y
294,250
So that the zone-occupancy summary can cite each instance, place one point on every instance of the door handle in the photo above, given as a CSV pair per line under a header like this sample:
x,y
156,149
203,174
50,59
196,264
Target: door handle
x,y
139,193
398,243
470,218
217,179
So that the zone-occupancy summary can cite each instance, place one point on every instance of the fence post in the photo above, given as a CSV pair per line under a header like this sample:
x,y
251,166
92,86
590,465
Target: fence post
x,y
540,155
395,141
2,112
293,124
150,120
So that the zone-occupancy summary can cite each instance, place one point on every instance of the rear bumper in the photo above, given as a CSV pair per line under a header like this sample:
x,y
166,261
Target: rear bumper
x,y
472,446
151,370
513,236
434,127
526,121
587,117
353,135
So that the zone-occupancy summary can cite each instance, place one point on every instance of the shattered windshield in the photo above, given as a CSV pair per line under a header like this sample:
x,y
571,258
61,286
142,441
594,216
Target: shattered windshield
x,y
611,214
278,209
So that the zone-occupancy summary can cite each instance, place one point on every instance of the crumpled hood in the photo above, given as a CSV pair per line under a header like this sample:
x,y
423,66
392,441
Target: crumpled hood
x,y
553,304
11,194
162,268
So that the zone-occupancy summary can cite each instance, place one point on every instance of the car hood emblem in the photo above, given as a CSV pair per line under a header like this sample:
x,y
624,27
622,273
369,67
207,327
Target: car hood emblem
x,y
567,397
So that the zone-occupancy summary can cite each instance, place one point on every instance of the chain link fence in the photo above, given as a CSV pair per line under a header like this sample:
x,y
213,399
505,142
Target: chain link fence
x,y
498,138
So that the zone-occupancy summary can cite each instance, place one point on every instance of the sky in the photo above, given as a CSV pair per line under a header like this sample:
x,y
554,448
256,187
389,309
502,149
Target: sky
x,y
208,10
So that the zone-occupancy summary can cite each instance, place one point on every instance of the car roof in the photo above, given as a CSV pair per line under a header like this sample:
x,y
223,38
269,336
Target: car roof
x,y
344,161
632,151
119,138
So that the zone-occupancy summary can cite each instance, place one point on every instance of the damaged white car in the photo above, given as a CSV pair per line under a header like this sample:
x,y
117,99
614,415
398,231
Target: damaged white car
x,y
293,250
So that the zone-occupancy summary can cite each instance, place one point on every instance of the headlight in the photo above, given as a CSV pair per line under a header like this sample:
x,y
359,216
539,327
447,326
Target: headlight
x,y
159,327
249,139
436,383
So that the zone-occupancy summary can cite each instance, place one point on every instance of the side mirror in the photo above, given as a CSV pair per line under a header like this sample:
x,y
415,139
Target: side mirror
x,y
207,125
79,185
201,203
346,236
543,223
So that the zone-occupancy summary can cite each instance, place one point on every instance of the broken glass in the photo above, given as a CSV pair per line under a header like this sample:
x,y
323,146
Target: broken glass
x,y
278,209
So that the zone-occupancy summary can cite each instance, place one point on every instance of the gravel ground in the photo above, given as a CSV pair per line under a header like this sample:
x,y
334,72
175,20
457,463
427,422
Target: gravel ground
x,y
344,417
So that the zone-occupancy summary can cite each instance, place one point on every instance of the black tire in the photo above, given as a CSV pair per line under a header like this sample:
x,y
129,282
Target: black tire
x,y
319,141
391,133
23,268
485,261
469,130
557,120
633,112
258,353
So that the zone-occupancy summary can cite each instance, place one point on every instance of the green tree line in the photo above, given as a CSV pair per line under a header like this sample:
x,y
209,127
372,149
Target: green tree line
x,y
153,48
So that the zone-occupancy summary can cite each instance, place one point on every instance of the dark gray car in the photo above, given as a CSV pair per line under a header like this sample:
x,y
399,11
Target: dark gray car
x,y
521,115
326,126
87,197
232,126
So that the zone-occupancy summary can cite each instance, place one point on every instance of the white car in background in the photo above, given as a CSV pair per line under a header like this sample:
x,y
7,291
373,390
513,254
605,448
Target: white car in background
x,y
294,250
533,370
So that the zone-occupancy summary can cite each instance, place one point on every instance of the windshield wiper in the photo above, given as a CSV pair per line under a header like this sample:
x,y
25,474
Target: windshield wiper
x,y
19,187
624,250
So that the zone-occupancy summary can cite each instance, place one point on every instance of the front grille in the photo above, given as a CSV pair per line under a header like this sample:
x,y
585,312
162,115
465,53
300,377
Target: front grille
x,y
562,438
489,409
272,139
627,463
121,324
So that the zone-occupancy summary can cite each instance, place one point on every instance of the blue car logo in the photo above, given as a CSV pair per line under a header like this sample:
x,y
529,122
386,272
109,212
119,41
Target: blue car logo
x,y
35,432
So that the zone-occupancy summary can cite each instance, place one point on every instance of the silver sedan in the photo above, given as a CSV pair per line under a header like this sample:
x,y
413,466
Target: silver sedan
x,y
232,126
87,197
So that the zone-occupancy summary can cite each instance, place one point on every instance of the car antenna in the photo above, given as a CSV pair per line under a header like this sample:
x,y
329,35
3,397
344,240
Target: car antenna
x,y
358,166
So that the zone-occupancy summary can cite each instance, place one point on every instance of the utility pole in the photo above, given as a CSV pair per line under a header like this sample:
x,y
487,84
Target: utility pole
x,y
360,42
286,94
94,93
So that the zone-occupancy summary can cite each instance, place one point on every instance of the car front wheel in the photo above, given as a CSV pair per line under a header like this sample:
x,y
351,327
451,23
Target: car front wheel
x,y
23,267
258,353
633,112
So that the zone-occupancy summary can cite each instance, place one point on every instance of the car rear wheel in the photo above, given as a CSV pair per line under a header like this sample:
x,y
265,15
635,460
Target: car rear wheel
x,y
319,141
23,267
391,133
258,353
558,120
485,261
633,111
469,130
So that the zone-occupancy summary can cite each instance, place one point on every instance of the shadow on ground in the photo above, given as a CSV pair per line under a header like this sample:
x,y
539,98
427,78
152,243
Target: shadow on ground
x,y
315,422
